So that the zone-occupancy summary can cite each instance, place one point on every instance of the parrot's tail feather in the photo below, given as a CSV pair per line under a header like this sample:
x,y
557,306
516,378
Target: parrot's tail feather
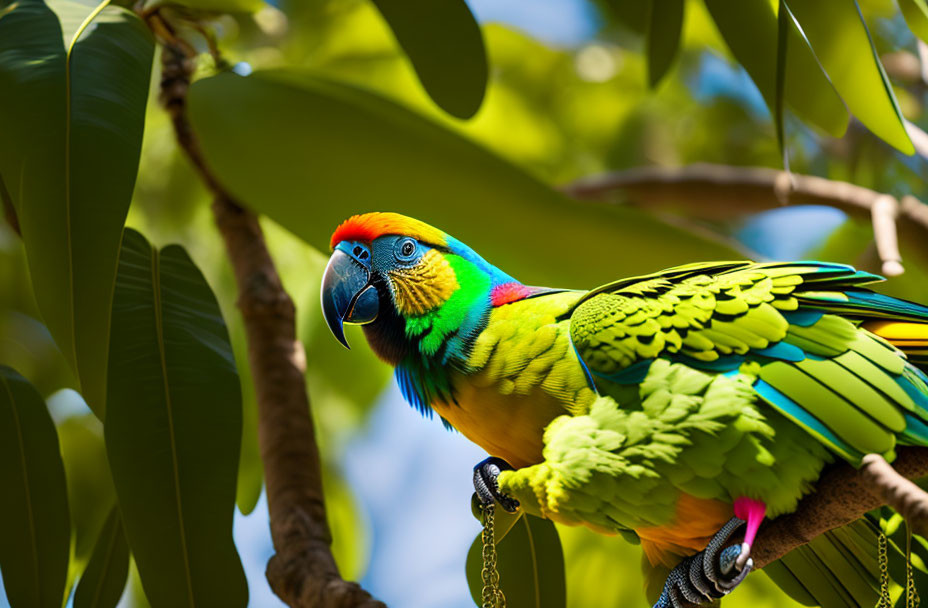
x,y
909,337
841,568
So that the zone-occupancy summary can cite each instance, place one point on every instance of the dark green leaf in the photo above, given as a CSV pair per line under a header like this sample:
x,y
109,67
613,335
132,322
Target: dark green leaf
x,y
916,15
749,28
308,153
664,28
531,566
75,81
173,428
632,15
104,580
842,44
35,534
444,44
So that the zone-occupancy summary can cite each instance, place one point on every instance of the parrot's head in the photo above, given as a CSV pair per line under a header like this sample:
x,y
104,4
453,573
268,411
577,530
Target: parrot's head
x,y
410,284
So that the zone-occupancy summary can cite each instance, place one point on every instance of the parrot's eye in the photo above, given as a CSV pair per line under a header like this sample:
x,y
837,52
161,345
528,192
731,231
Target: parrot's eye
x,y
405,250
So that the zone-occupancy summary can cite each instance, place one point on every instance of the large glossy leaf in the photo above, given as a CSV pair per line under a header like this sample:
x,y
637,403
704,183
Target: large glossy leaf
x,y
35,534
105,578
665,25
530,563
842,43
309,152
444,44
916,15
749,28
75,83
173,428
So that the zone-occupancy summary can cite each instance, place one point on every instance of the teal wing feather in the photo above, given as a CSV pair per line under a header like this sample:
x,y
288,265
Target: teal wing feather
x,y
795,327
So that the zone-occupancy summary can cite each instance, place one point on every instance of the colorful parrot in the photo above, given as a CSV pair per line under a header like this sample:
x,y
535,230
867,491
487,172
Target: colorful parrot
x,y
658,406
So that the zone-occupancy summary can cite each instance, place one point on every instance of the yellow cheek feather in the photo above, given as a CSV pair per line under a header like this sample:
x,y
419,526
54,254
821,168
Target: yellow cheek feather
x,y
425,286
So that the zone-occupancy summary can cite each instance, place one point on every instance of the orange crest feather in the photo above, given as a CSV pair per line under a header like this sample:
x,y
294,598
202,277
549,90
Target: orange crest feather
x,y
368,226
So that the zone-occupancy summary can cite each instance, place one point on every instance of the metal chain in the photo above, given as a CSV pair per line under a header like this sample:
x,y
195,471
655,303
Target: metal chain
x,y
885,601
911,593
492,595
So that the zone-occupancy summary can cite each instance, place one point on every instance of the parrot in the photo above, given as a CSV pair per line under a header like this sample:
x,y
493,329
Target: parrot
x,y
679,408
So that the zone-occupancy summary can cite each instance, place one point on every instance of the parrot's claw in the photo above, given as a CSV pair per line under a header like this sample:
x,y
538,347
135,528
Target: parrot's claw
x,y
487,486
710,574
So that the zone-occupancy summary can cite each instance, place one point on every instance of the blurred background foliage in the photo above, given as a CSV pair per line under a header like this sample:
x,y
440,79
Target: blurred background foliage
x,y
568,97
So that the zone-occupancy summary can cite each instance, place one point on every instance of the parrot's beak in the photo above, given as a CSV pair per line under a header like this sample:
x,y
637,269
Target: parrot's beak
x,y
347,295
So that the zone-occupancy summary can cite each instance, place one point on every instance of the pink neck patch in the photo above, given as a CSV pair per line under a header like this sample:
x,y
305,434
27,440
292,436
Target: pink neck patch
x,y
509,292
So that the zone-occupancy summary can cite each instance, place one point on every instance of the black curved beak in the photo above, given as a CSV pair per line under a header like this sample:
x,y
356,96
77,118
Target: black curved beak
x,y
347,295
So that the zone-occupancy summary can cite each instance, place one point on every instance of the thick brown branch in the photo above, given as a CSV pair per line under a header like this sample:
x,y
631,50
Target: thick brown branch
x,y
844,494
303,572
717,192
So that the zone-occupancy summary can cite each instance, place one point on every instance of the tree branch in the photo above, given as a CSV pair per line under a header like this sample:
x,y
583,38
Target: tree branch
x,y
303,572
844,494
716,192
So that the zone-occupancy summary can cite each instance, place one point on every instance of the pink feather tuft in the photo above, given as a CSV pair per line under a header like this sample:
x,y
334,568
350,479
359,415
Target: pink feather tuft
x,y
753,512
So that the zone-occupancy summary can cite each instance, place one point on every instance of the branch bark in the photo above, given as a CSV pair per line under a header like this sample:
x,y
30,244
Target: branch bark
x,y
716,192
844,494
303,572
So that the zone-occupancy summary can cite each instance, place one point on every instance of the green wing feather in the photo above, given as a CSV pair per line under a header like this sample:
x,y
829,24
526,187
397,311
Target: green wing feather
x,y
794,327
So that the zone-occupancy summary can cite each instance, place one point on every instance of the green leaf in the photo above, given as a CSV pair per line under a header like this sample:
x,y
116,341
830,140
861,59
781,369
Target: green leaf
x,y
34,520
530,563
916,15
105,578
90,486
212,6
632,15
350,535
250,468
504,520
444,44
75,81
842,44
749,28
784,25
665,24
309,152
173,428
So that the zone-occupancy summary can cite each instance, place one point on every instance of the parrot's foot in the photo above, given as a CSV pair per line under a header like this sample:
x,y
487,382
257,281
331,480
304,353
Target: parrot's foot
x,y
487,486
710,574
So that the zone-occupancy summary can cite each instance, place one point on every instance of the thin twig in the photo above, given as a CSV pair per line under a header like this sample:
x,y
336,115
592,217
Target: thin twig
x,y
719,192
303,572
